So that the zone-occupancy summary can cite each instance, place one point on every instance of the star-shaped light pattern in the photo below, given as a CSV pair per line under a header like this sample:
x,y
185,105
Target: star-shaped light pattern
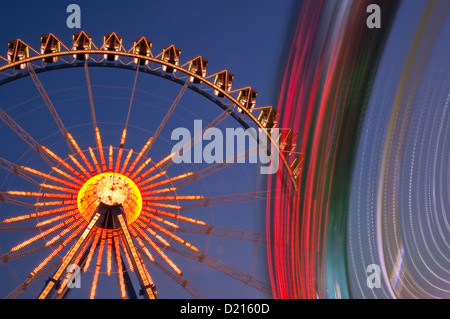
x,y
73,197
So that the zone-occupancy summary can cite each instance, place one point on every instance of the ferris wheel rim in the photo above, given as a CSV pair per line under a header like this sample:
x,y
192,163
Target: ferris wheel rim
x,y
202,79
130,68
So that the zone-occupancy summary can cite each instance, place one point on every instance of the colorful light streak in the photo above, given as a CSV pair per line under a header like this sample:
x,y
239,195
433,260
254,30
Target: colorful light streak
x,y
329,72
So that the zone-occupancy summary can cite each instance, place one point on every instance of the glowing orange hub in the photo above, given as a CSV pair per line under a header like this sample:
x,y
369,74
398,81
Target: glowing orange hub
x,y
80,193
110,189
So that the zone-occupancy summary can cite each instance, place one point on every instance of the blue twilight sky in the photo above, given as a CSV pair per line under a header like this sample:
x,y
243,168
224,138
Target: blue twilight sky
x,y
245,37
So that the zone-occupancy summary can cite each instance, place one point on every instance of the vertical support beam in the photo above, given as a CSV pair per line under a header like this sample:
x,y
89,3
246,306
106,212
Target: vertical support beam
x,y
51,283
126,276
147,290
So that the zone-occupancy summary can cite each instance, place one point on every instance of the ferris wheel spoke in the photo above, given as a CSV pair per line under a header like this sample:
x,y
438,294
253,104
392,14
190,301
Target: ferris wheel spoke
x,y
163,230
143,226
79,178
8,74
94,118
139,180
58,188
30,281
148,199
182,281
136,160
85,174
66,230
161,190
60,244
41,195
120,152
91,99
50,106
127,160
223,268
100,149
211,169
195,139
6,199
13,168
11,256
32,143
81,154
150,179
167,116
144,248
94,159
150,170
131,98
157,249
39,214
43,234
43,225
204,172
111,158
225,232
124,132
159,219
170,180
56,203
66,176
58,249
59,217
49,177
171,215
140,168
4,228
226,199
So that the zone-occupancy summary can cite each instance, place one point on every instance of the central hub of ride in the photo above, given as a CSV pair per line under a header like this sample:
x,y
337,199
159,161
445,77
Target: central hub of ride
x,y
110,189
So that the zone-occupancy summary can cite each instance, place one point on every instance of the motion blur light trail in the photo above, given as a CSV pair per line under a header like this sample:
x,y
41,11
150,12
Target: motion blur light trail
x,y
399,204
370,107
328,77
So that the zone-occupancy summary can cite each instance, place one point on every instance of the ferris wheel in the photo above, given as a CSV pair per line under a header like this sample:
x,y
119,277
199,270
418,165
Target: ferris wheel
x,y
98,207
